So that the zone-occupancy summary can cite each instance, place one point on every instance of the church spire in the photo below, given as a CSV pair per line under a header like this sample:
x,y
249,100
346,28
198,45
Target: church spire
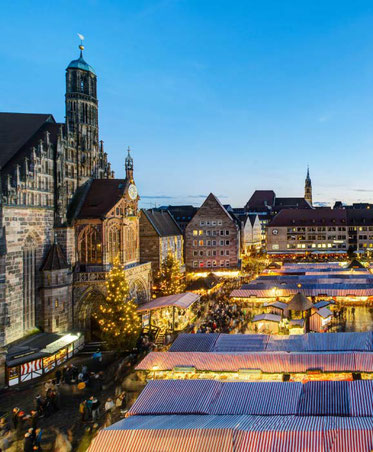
x,y
308,187
129,165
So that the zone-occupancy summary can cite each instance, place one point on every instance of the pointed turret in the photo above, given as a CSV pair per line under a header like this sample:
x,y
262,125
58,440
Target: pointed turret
x,y
308,187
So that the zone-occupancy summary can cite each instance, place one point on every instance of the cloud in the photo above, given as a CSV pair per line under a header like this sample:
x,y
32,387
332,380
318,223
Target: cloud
x,y
321,204
364,190
157,197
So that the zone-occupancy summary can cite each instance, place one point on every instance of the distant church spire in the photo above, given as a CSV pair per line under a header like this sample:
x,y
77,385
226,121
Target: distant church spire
x,y
308,187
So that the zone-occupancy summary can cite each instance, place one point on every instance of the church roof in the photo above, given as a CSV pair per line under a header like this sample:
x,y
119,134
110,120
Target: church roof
x,y
81,64
101,196
17,129
162,222
55,259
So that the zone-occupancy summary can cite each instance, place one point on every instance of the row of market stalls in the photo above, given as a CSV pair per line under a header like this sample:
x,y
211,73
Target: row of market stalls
x,y
298,298
298,316
210,416
241,357
39,355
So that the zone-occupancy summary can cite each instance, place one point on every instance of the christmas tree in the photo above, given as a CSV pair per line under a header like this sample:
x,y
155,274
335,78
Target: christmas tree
x,y
169,280
119,323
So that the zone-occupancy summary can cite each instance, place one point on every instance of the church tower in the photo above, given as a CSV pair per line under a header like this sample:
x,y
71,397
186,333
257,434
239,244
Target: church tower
x,y
308,188
82,116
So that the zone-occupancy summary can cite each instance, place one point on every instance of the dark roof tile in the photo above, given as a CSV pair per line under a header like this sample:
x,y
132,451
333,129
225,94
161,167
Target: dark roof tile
x,y
163,222
16,129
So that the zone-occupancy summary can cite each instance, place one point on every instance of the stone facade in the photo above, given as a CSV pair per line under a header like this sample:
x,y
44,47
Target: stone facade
x,y
46,171
212,238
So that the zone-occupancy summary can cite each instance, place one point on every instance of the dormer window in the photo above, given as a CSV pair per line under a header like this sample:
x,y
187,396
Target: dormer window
x,y
82,86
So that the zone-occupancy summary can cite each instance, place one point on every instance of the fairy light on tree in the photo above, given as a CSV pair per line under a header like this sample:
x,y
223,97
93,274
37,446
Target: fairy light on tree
x,y
169,279
119,323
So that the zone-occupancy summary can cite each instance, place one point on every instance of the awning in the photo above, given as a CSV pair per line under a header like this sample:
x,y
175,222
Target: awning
x,y
181,300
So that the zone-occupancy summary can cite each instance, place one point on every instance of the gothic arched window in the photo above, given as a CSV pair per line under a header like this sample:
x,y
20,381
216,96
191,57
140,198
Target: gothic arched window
x,y
29,254
113,243
131,244
90,246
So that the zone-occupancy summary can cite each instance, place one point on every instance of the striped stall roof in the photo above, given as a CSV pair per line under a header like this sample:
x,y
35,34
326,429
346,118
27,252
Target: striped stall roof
x,y
194,343
277,362
211,433
257,398
260,342
315,398
323,398
241,342
176,396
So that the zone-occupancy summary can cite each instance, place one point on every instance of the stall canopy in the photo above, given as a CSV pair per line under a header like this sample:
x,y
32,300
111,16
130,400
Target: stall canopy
x,y
315,398
181,300
320,342
267,318
299,303
214,433
276,362
242,417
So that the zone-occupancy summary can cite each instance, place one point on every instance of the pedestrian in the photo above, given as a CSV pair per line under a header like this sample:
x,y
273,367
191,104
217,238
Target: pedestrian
x,y
83,410
58,376
109,405
88,405
28,443
39,402
95,408
38,438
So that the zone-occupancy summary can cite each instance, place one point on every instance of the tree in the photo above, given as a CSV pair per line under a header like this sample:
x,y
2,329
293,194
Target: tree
x,y
169,279
119,323
254,263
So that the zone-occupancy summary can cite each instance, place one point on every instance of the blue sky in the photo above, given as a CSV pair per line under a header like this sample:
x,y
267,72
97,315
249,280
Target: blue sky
x,y
212,96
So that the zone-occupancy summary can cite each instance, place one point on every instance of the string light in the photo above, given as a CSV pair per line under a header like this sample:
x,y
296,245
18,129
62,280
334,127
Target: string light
x,y
117,316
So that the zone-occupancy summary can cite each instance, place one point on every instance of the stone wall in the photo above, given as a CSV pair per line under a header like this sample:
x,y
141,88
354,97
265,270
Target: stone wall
x,y
20,224
149,243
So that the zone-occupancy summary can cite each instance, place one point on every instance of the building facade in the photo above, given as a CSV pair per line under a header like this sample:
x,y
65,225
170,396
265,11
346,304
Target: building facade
x,y
53,258
212,237
299,231
160,236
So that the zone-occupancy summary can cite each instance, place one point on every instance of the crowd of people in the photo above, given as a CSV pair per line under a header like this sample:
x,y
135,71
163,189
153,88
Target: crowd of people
x,y
221,318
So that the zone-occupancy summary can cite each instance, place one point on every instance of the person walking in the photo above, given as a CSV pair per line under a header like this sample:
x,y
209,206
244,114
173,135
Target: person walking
x,y
95,408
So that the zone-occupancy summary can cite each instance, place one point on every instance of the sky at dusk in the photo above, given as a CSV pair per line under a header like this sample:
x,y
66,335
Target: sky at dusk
x,y
212,96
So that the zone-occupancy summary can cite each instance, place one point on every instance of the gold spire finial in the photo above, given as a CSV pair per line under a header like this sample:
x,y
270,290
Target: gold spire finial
x,y
81,37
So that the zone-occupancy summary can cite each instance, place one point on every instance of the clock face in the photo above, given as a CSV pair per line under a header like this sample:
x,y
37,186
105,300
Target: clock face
x,y
132,191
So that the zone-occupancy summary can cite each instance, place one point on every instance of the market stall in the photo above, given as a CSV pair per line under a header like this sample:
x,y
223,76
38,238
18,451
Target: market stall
x,y
171,313
39,355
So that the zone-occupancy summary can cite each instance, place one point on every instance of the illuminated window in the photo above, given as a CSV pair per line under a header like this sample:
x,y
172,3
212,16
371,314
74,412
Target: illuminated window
x,y
201,263
90,246
195,264
227,263
113,243
200,232
195,232
200,243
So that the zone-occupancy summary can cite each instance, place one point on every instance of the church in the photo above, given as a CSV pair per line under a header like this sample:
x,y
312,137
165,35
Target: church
x,y
63,216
